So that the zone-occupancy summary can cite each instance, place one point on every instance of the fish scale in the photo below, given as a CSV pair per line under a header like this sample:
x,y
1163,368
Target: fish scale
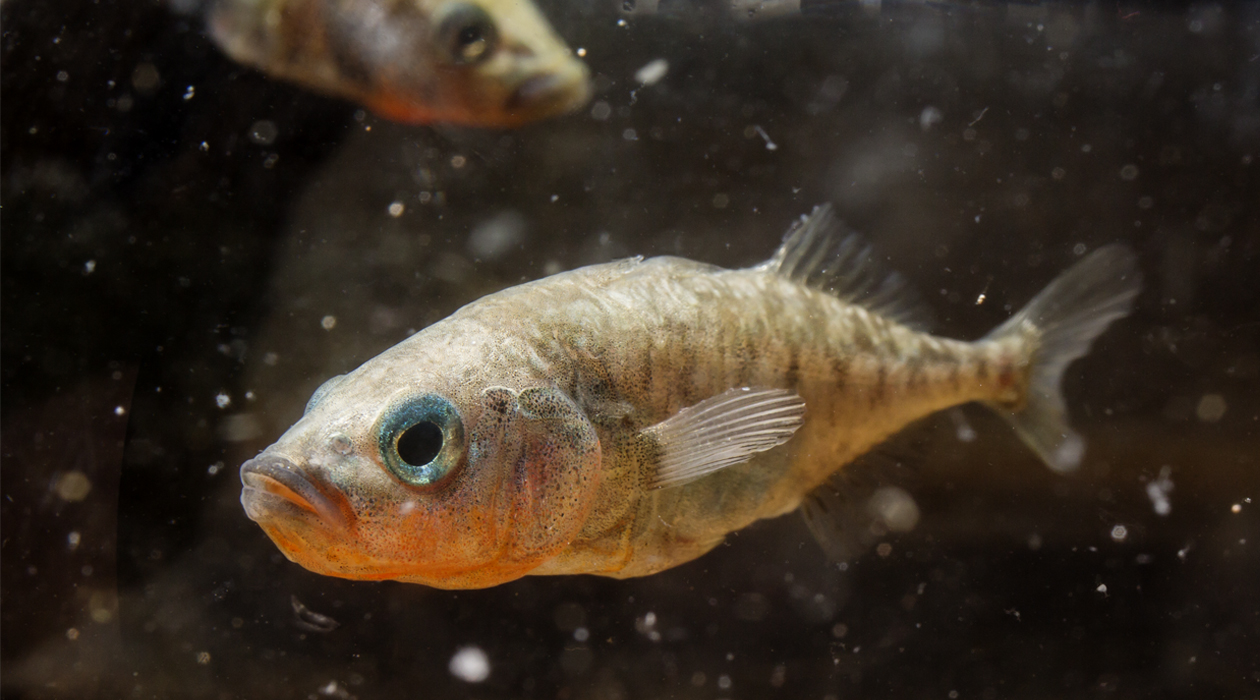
x,y
861,376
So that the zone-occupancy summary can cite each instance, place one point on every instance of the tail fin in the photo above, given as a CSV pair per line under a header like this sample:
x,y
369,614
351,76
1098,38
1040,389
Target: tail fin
x,y
1063,321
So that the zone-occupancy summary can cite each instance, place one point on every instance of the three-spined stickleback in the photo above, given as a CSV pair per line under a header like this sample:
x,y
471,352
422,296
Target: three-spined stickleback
x,y
491,63
621,419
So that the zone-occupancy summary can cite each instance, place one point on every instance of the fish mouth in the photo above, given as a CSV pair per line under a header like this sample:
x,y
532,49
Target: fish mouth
x,y
274,486
553,92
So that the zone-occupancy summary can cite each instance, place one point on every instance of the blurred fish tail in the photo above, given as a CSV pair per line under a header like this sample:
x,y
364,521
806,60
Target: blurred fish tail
x,y
1060,324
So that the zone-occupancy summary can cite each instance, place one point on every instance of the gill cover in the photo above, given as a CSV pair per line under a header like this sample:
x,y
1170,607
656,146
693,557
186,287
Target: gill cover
x,y
532,468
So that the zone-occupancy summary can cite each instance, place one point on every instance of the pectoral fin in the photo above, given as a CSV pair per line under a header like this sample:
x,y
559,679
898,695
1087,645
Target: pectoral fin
x,y
722,431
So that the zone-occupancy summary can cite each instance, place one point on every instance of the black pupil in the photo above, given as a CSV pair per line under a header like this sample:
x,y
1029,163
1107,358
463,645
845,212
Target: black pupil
x,y
420,443
470,35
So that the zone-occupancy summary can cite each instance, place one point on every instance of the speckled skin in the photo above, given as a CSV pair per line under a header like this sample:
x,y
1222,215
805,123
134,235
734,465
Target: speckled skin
x,y
391,56
608,350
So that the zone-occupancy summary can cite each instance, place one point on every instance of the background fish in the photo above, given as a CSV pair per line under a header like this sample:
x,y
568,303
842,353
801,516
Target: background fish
x,y
621,419
495,63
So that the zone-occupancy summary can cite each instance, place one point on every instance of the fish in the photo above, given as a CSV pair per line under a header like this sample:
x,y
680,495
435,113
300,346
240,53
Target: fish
x,y
482,63
621,419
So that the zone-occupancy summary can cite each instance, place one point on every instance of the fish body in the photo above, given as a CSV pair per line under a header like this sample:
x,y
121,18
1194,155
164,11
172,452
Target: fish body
x,y
490,63
621,419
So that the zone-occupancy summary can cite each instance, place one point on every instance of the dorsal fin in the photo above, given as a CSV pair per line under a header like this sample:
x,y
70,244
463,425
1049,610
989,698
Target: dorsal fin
x,y
818,251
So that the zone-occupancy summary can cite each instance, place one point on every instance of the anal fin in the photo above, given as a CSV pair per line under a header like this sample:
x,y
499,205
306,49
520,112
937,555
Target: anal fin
x,y
862,503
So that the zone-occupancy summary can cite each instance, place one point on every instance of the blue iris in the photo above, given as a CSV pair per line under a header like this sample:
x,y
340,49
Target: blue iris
x,y
421,439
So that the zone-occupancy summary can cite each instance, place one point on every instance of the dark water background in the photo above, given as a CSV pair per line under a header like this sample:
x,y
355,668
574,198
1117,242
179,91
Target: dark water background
x,y
164,251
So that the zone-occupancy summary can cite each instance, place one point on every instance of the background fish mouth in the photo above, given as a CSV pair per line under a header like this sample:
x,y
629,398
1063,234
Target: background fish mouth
x,y
558,91
272,483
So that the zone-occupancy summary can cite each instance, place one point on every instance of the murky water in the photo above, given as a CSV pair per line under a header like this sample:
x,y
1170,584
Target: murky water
x,y
190,249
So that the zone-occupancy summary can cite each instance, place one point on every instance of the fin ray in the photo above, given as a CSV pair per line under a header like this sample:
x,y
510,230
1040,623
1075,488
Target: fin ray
x,y
1063,321
864,502
818,251
722,431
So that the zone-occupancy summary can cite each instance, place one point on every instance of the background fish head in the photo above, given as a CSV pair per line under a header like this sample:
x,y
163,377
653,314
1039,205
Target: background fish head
x,y
450,463
477,62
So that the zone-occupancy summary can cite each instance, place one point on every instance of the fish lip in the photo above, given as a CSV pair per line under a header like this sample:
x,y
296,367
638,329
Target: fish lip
x,y
271,477
558,91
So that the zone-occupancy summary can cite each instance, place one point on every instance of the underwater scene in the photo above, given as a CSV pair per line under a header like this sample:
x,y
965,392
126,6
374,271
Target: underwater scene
x,y
660,349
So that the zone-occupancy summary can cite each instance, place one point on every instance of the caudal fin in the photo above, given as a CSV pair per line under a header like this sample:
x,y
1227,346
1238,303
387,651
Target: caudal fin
x,y
1062,322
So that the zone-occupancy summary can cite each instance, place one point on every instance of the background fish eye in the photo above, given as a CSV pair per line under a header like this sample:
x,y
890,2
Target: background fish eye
x,y
422,439
467,34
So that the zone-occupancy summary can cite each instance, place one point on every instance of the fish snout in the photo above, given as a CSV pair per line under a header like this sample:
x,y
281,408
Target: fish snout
x,y
277,488
554,91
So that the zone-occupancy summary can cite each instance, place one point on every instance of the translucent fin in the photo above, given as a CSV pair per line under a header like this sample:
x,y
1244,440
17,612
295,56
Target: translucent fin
x,y
818,251
862,503
1063,321
722,431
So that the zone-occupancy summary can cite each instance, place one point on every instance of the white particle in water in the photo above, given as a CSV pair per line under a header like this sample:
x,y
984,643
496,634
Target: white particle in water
x,y
89,267
1158,489
930,117
770,145
1211,408
223,400
1102,588
1119,533
263,132
962,428
470,664
73,486
119,410
328,322
396,209
652,72
73,539
497,236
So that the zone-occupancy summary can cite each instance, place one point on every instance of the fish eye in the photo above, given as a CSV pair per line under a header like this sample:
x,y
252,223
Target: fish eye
x,y
420,443
422,439
467,34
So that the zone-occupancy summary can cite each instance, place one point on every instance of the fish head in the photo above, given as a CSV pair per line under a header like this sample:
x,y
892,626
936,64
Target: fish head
x,y
495,63
428,465
489,63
